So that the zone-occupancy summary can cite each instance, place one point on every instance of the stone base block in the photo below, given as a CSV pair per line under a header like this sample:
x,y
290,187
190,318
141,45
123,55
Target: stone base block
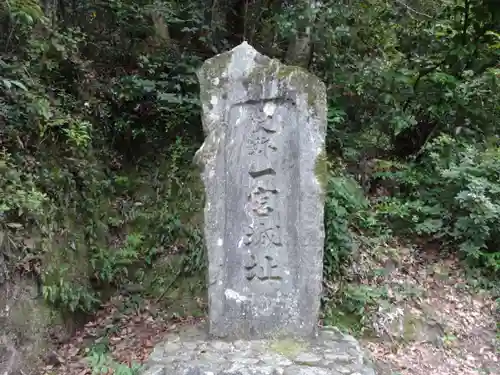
x,y
191,352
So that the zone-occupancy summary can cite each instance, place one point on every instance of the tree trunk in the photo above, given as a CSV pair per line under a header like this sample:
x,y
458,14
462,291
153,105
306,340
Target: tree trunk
x,y
226,21
300,48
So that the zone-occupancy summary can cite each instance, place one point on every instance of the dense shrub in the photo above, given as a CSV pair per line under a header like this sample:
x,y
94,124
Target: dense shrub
x,y
453,196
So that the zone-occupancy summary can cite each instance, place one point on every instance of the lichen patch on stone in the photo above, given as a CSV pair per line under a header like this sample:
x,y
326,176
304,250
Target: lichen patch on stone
x,y
262,357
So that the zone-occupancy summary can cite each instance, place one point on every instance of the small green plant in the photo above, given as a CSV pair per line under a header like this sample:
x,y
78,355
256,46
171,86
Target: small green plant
x,y
351,307
20,199
345,204
112,265
71,296
103,363
449,340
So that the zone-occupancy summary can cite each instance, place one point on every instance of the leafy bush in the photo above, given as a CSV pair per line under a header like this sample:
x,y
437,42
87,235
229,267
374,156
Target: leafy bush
x,y
103,363
345,205
413,102
454,196
353,235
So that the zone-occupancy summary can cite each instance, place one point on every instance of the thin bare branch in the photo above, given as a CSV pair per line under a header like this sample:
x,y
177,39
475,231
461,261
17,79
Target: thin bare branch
x,y
413,10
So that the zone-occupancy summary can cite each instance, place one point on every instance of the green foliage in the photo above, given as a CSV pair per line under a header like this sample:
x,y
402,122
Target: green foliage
x,y
102,363
159,219
20,199
112,265
401,85
352,229
351,309
345,204
455,198
350,222
70,296
69,135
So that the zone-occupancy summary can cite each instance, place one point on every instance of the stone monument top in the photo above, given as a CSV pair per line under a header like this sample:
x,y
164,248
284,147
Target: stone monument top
x,y
263,172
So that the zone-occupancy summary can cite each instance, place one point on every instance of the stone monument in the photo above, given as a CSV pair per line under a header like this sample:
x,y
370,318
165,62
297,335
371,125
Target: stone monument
x,y
265,126
264,171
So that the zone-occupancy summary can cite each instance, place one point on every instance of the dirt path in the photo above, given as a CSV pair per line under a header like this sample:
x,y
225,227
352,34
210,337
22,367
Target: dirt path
x,y
450,328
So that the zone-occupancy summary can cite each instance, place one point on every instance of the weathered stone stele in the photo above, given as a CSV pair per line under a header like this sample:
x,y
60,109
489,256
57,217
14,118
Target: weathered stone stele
x,y
263,172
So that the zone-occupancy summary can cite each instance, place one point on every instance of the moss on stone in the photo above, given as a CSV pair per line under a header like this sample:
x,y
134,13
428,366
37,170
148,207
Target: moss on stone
x,y
305,82
411,326
297,76
321,170
261,74
305,363
214,67
289,348
271,69
303,79
211,69
287,71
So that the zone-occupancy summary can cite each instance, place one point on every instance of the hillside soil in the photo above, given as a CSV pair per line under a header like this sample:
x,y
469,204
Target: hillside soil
x,y
448,328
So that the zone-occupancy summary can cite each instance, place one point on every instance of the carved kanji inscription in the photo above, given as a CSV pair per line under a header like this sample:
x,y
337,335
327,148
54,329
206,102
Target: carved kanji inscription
x,y
264,269
265,126
261,172
262,200
263,233
258,143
